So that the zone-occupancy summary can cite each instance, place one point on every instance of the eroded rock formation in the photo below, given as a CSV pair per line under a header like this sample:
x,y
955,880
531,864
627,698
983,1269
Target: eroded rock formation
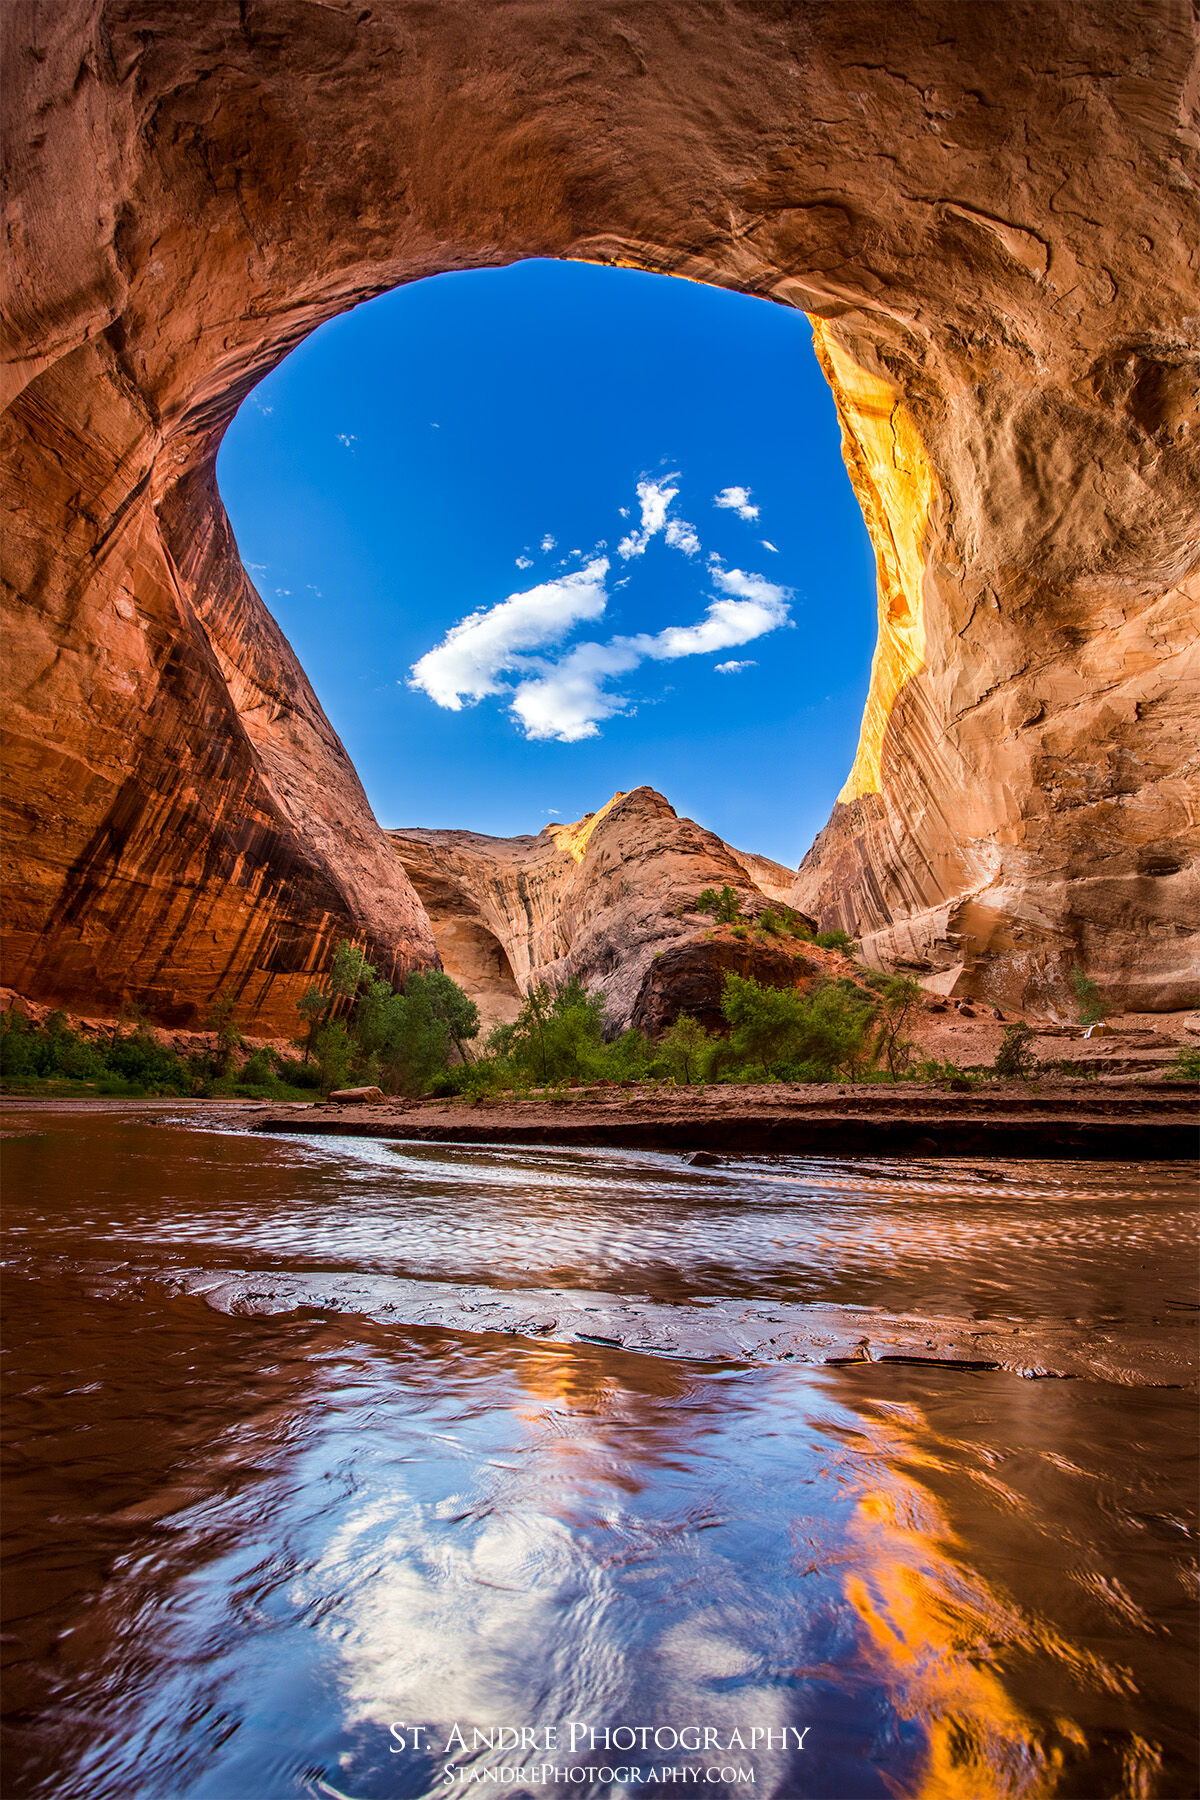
x,y
597,900
992,212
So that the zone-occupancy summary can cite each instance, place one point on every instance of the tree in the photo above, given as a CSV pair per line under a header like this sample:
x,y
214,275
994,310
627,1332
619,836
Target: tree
x,y
793,1036
219,1020
899,996
725,906
685,1049
360,1027
449,1004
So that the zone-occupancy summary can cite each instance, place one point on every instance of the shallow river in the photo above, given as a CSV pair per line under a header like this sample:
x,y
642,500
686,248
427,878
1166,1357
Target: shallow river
x,y
329,1459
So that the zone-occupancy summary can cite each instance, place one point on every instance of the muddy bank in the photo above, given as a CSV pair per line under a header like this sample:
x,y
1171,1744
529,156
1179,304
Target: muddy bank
x,y
1107,1117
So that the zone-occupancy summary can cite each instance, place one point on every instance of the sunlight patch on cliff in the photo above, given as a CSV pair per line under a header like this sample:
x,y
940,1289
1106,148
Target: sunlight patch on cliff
x,y
894,482
574,839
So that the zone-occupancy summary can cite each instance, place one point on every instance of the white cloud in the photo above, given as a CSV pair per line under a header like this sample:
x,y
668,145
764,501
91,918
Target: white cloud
x,y
259,568
548,543
737,499
348,439
682,536
524,562
734,668
756,606
475,652
767,545
568,699
655,498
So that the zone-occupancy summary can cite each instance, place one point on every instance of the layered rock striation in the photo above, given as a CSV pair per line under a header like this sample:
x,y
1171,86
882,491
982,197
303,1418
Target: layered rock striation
x,y
990,212
598,900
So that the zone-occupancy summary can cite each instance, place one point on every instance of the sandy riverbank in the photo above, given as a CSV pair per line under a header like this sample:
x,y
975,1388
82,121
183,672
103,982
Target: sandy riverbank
x,y
1110,1116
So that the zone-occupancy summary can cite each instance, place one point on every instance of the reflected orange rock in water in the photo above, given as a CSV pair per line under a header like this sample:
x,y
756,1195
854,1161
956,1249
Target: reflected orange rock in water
x,y
932,1627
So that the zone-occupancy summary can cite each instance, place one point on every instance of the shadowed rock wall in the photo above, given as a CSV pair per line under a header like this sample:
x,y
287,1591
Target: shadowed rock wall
x,y
991,210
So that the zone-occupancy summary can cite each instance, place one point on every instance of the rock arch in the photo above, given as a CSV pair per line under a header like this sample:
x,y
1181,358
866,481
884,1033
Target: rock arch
x,y
991,213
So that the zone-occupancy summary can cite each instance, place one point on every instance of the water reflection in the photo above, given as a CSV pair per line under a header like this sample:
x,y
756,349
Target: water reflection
x,y
241,1548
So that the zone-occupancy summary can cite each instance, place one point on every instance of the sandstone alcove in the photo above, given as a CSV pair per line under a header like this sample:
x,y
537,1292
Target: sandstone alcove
x,y
947,190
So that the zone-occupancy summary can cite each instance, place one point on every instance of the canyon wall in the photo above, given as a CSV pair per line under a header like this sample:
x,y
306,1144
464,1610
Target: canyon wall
x,y
597,900
990,212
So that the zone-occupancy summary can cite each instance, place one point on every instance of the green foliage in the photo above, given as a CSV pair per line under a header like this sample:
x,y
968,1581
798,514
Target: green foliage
x,y
836,940
783,921
1091,1007
725,906
361,1031
1185,1065
132,1062
946,1074
295,1073
555,1036
780,1033
220,1021
686,1049
1015,1060
739,931
333,1053
900,995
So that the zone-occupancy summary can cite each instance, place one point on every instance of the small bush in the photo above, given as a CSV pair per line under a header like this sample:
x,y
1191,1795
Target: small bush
x,y
1091,1007
1015,1060
1185,1065
836,940
294,1072
725,906
946,1074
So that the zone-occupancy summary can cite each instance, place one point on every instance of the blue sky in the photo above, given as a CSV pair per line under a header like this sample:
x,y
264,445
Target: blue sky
x,y
544,532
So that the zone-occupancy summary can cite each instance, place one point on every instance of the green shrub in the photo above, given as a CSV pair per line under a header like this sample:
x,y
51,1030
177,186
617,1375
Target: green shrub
x,y
773,1030
686,1050
294,1072
1015,1060
836,940
946,1074
1091,1007
725,906
1185,1065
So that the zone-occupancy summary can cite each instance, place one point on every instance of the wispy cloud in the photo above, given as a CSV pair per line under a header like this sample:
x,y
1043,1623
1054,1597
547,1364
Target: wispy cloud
x,y
548,543
468,662
569,699
655,497
347,438
737,499
524,562
734,668
768,545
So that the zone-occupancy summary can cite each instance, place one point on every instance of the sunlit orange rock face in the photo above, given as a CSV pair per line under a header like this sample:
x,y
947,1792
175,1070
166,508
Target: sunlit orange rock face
x,y
991,212
597,900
